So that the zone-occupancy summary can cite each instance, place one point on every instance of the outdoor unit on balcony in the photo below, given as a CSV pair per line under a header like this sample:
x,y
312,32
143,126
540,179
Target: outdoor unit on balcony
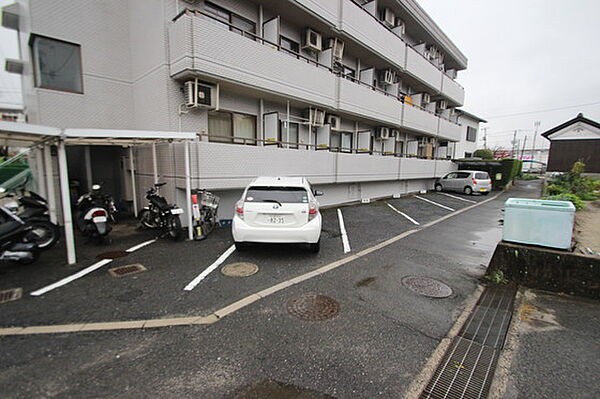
x,y
199,95
425,99
334,121
311,40
337,48
442,104
382,133
387,77
396,133
316,117
399,26
388,17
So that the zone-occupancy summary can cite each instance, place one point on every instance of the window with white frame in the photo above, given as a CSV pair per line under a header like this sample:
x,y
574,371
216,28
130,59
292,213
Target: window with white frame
x,y
57,64
471,134
229,127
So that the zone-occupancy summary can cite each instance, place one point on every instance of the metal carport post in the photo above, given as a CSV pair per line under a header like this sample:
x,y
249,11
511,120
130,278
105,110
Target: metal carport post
x,y
66,202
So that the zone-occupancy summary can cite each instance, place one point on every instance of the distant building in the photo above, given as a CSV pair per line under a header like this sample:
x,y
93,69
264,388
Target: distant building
x,y
466,146
574,140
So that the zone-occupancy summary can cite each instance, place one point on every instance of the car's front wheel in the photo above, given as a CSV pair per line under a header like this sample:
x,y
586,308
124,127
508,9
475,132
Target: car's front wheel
x,y
468,190
438,187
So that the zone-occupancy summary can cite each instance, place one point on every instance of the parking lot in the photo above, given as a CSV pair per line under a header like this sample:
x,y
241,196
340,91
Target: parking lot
x,y
158,292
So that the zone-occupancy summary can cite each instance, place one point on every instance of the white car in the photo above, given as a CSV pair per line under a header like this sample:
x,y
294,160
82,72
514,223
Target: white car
x,y
277,210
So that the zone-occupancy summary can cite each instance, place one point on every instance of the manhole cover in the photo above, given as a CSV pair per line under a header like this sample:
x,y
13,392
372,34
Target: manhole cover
x,y
127,269
10,295
313,307
239,269
427,286
112,254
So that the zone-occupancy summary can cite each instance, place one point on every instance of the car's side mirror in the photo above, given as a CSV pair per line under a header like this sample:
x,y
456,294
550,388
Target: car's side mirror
x,y
318,193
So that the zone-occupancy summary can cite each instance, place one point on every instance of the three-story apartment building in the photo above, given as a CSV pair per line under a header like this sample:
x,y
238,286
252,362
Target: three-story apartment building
x,y
358,96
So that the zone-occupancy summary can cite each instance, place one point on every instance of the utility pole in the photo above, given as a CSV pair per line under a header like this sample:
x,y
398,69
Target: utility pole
x,y
523,149
537,125
514,142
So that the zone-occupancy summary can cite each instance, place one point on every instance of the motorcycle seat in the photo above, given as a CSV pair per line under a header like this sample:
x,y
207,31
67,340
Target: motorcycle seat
x,y
31,212
9,227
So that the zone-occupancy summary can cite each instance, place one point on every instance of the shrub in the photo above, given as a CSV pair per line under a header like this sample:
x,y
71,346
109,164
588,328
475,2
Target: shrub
x,y
555,189
528,176
589,196
483,154
577,202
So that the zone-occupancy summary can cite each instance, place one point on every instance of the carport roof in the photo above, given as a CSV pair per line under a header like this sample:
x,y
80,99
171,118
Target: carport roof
x,y
25,134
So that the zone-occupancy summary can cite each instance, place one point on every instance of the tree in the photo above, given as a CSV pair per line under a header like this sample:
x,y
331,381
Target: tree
x,y
483,154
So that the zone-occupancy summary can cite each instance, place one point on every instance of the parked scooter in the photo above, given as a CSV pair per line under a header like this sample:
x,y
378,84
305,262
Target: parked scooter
x,y
93,214
33,210
15,239
160,215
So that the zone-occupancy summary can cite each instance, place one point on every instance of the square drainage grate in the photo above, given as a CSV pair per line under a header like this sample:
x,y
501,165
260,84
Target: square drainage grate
x,y
10,295
126,270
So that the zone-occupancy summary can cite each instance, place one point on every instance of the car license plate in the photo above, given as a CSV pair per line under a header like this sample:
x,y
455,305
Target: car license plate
x,y
99,219
482,189
176,211
276,219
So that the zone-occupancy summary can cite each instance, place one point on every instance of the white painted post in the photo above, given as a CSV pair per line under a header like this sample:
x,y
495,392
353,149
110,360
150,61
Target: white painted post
x,y
188,190
133,189
66,202
88,167
39,168
50,183
154,166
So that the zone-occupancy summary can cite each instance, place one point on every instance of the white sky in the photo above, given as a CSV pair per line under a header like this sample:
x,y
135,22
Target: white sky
x,y
524,56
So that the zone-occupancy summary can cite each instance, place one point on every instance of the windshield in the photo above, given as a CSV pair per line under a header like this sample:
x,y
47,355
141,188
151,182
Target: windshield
x,y
482,176
279,194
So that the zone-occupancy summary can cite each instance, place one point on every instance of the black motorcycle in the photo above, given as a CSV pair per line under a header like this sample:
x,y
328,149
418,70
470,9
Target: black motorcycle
x,y
93,213
32,209
16,239
160,215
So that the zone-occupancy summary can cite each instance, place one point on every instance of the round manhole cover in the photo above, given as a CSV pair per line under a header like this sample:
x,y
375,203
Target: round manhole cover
x,y
427,286
239,269
313,307
112,254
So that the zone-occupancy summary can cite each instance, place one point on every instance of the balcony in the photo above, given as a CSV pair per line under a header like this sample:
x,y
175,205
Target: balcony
x,y
415,168
453,90
448,130
419,120
422,69
357,168
199,46
327,10
362,26
362,100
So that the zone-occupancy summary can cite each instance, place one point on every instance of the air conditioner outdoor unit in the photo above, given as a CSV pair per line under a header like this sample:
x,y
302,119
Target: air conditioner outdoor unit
x,y
312,40
198,94
397,135
382,133
192,1
316,117
337,48
334,121
400,24
388,17
388,76
425,99
14,66
442,104
394,132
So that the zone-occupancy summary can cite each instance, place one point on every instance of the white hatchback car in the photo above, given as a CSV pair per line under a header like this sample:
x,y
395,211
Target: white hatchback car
x,y
277,210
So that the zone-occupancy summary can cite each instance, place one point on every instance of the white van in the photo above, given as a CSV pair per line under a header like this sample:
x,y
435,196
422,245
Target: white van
x,y
277,210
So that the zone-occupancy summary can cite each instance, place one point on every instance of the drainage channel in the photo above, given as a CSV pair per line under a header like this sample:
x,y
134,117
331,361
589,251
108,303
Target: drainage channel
x,y
467,368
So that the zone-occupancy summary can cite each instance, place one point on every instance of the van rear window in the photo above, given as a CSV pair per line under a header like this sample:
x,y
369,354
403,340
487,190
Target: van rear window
x,y
483,176
287,195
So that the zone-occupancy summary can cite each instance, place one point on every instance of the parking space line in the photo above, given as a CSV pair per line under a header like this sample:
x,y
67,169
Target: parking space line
x,y
455,197
435,203
192,284
345,241
85,271
404,214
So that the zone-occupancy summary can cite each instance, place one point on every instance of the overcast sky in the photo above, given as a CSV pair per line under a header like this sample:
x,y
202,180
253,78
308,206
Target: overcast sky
x,y
524,56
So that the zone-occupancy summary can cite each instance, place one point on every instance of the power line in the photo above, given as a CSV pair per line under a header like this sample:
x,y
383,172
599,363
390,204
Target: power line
x,y
542,110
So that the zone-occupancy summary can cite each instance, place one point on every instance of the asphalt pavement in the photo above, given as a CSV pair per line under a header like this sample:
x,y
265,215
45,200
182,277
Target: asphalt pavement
x,y
375,345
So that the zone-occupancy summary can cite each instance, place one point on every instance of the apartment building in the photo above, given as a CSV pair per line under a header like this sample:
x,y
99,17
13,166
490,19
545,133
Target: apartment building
x,y
358,96
469,135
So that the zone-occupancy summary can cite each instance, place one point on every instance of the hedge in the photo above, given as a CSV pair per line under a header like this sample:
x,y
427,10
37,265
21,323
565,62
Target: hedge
x,y
508,168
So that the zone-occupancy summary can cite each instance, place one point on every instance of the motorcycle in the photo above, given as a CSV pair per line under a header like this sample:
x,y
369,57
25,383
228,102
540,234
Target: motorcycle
x,y
33,210
93,214
15,239
160,215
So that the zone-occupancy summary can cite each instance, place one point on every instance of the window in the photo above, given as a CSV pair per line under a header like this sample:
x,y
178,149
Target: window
x,y
57,64
468,154
228,127
289,44
293,134
284,195
349,72
341,141
471,134
463,175
482,175
229,20
400,148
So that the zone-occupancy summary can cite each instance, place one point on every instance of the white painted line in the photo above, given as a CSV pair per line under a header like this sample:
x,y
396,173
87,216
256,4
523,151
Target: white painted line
x,y
142,245
345,241
435,203
72,277
404,214
454,196
209,269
